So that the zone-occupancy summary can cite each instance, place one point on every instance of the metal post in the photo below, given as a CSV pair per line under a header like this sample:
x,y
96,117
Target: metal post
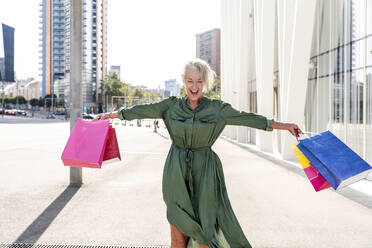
x,y
76,76
2,105
17,97
3,98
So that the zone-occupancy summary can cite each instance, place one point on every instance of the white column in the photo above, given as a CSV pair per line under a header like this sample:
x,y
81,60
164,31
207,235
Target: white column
x,y
264,16
244,53
295,20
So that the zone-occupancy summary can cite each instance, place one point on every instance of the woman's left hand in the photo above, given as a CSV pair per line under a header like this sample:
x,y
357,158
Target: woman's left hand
x,y
293,129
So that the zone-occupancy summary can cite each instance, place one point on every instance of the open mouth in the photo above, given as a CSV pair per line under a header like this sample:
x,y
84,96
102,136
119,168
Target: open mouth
x,y
194,93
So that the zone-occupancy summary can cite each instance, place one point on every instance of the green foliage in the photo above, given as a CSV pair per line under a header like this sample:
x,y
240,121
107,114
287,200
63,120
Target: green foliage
x,y
20,99
182,90
112,86
41,102
48,100
34,102
138,93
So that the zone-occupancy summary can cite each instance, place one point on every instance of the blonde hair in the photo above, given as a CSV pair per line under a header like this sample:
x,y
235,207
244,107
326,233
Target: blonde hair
x,y
207,75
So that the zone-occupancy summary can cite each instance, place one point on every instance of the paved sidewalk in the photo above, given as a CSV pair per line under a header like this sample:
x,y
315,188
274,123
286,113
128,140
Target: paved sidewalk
x,y
121,204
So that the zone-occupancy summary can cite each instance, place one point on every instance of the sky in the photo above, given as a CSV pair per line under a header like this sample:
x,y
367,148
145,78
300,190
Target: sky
x,y
150,39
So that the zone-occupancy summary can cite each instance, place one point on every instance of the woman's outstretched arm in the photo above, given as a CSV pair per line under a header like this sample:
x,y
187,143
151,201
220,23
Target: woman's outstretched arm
x,y
232,116
142,111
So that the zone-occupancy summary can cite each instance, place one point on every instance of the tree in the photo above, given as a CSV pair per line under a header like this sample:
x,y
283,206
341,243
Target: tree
x,y
20,99
215,90
34,102
112,86
138,93
41,102
48,100
182,90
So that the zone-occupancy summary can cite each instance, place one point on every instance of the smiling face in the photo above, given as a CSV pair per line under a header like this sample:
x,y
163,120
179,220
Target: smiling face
x,y
194,84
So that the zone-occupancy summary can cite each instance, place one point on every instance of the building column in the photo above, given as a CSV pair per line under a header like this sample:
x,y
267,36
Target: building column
x,y
243,63
295,28
264,17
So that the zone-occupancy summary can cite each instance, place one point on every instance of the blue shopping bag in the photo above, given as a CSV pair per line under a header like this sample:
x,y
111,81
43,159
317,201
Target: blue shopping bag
x,y
334,160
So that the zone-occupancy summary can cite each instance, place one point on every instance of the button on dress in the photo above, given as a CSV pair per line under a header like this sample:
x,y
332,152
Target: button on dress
x,y
193,183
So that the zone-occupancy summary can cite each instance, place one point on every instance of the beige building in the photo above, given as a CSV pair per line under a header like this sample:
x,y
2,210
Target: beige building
x,y
27,88
208,48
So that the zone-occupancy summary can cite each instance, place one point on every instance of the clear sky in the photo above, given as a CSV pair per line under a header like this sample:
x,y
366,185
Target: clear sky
x,y
150,39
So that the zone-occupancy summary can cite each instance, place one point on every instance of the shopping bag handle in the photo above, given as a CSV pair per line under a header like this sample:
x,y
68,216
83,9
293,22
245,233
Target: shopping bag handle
x,y
304,134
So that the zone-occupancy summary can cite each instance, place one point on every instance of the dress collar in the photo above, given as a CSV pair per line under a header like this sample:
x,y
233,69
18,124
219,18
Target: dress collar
x,y
202,101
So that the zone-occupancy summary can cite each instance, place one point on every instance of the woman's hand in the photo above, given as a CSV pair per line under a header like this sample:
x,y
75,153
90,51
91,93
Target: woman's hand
x,y
105,116
291,127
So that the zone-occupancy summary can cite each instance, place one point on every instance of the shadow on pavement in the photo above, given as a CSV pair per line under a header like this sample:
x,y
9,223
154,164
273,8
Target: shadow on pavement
x,y
39,226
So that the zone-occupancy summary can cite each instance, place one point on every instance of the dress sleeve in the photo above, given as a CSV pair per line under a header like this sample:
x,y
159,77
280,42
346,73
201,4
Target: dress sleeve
x,y
145,111
235,117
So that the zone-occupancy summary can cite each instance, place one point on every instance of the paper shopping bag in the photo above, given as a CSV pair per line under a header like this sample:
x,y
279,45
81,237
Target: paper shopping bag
x,y
315,178
334,160
112,146
89,144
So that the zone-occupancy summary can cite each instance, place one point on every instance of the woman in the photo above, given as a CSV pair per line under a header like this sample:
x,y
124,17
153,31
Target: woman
x,y
193,183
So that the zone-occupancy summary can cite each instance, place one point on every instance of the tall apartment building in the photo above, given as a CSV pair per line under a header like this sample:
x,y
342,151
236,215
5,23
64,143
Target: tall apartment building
x,y
52,14
6,53
56,49
208,48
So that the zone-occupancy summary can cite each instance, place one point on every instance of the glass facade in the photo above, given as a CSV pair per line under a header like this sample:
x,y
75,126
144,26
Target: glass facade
x,y
7,53
339,94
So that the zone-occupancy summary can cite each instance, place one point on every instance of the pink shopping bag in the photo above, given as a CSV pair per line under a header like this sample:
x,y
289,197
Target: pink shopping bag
x,y
318,182
315,178
90,143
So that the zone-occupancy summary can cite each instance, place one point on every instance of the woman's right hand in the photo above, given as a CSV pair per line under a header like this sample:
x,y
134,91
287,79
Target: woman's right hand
x,y
102,116
105,116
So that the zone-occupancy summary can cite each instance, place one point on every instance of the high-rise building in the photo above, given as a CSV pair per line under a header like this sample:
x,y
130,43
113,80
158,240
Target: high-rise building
x,y
115,68
56,49
6,53
208,48
52,37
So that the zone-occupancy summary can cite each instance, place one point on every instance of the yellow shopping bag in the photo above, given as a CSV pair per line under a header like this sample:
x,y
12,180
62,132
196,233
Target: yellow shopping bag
x,y
300,156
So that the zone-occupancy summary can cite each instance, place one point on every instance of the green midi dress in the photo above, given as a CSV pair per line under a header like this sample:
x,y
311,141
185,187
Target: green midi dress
x,y
193,183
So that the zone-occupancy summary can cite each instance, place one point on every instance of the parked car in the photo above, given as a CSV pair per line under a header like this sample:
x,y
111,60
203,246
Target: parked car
x,y
88,117
10,112
21,112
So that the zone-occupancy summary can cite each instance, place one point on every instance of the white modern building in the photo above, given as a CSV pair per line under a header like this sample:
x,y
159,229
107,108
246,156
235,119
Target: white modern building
x,y
172,87
307,62
29,88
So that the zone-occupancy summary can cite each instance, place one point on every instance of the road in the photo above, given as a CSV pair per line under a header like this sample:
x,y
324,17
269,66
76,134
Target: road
x,y
121,204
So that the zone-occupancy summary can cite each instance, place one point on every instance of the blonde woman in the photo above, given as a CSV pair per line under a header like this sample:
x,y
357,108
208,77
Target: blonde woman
x,y
193,185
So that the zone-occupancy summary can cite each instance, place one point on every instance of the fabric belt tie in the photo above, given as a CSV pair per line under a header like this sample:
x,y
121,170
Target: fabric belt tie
x,y
189,160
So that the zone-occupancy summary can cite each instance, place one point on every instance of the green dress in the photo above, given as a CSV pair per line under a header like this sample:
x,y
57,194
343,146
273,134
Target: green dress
x,y
193,183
